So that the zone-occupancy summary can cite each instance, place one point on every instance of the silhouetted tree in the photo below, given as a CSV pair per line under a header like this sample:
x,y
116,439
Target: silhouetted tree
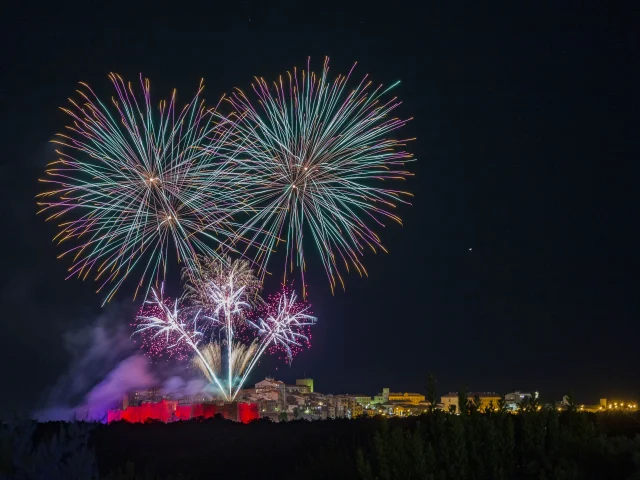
x,y
502,405
529,404
431,392
463,401
571,402
456,443
490,407
474,405
65,454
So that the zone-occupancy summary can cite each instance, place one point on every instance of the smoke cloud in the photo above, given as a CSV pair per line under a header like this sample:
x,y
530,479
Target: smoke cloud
x,y
105,365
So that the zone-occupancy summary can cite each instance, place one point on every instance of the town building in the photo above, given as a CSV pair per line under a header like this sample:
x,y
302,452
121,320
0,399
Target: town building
x,y
381,397
269,384
344,406
141,406
406,397
450,400
363,400
514,399
306,381
386,408
406,409
611,405
297,388
270,389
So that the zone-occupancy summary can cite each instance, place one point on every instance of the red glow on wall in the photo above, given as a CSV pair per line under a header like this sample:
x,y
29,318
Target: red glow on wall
x,y
167,411
248,412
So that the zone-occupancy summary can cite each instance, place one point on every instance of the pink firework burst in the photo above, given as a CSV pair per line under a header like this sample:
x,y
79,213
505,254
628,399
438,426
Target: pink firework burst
x,y
165,329
284,324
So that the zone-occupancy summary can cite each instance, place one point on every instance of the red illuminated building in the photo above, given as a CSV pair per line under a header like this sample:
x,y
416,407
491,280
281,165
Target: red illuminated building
x,y
169,411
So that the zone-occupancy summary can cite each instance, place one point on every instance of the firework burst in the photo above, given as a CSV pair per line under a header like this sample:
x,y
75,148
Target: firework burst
x,y
225,289
222,284
311,154
229,338
137,184
165,327
283,327
284,324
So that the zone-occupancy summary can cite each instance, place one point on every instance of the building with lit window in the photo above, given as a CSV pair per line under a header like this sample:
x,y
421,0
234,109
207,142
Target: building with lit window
x,y
363,400
297,388
344,406
306,382
381,397
273,390
406,397
514,399
450,400
406,409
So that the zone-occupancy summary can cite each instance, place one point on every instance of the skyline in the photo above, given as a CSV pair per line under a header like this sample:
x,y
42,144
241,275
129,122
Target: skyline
x,y
516,266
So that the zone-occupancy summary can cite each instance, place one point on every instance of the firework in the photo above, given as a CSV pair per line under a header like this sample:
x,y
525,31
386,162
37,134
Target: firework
x,y
284,326
164,327
242,356
311,154
209,361
207,331
137,184
224,288
222,283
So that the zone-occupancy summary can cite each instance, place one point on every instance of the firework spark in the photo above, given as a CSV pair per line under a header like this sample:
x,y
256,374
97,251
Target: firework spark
x,y
312,155
137,182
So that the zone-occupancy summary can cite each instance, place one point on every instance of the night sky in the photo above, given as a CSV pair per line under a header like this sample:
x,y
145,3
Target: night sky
x,y
517,265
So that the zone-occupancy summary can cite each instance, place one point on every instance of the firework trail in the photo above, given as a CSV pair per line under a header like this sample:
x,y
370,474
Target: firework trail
x,y
209,361
312,154
136,180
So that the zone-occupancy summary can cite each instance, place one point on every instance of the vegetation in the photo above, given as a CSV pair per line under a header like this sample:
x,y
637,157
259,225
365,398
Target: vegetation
x,y
537,443
63,454
542,444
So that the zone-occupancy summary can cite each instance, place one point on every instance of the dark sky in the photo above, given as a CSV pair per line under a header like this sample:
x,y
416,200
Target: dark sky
x,y
527,126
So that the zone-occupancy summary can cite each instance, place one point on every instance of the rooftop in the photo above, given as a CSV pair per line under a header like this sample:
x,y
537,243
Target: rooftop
x,y
271,381
471,394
